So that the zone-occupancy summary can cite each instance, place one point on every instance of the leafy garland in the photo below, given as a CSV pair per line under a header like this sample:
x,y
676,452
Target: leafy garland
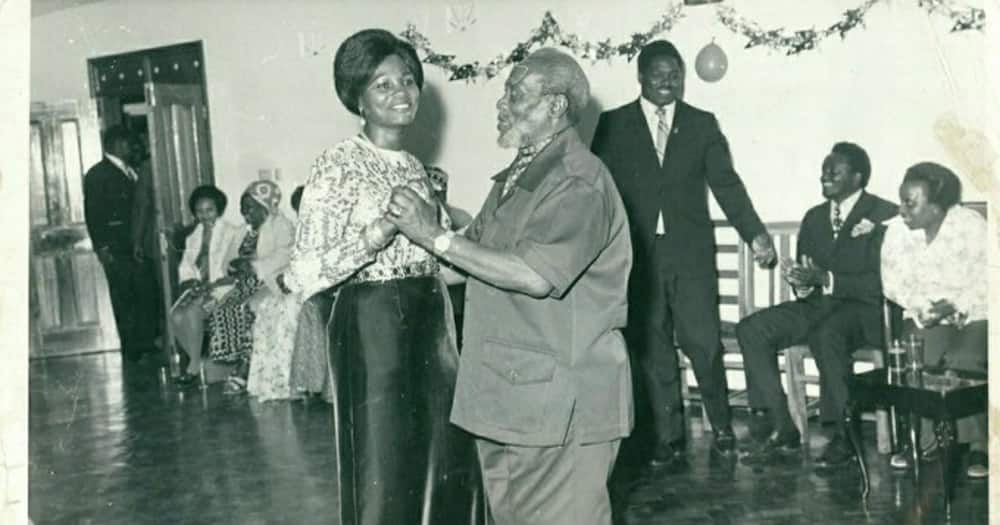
x,y
548,32
789,42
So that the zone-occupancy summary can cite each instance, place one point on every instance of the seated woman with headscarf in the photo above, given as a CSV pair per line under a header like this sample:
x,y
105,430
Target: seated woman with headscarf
x,y
274,341
202,274
934,265
257,260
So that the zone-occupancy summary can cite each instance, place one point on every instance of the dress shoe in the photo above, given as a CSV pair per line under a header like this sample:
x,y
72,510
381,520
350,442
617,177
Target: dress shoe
x,y
760,426
902,459
979,465
837,453
724,442
666,454
778,445
186,379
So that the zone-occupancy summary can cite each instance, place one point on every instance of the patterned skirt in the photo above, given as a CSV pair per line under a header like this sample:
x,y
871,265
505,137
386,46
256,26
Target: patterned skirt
x,y
231,324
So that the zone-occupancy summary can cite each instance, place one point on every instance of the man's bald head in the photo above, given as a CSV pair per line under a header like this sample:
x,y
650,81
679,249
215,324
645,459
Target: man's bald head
x,y
560,75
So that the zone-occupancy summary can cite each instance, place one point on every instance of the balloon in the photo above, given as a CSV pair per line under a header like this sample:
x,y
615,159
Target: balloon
x,y
711,63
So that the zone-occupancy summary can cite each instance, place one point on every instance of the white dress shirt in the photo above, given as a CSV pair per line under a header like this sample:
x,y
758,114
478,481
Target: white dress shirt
x,y
653,121
120,164
846,206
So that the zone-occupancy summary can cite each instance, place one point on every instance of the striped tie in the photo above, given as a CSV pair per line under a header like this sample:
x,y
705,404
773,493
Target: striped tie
x,y
662,132
837,221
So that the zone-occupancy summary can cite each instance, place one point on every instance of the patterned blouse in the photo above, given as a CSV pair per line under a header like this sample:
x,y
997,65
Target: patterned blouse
x,y
348,191
952,267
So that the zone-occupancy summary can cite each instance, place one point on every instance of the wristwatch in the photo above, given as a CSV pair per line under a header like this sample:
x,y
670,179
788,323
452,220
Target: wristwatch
x,y
443,242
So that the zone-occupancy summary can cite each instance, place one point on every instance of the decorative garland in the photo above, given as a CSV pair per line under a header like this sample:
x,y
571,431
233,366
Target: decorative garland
x,y
795,42
963,19
789,42
548,32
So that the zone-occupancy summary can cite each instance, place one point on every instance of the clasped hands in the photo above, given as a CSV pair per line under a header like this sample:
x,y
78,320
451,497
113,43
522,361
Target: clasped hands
x,y
938,311
199,287
412,214
240,266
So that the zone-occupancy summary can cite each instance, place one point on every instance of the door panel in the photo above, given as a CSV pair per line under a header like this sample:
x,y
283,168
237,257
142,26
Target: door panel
x,y
70,308
181,161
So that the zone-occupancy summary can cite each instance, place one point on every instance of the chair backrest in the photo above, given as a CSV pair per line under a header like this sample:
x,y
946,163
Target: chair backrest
x,y
980,206
744,287
728,259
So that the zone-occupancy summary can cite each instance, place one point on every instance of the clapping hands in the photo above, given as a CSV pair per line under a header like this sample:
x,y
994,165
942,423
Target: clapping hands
x,y
803,275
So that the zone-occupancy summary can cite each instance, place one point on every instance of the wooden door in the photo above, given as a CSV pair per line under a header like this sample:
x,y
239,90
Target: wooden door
x,y
68,294
181,160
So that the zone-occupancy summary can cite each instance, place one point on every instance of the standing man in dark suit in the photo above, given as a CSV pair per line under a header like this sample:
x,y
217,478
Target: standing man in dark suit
x,y
664,155
108,197
838,287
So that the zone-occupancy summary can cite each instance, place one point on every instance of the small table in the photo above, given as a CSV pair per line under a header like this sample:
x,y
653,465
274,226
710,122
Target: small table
x,y
934,393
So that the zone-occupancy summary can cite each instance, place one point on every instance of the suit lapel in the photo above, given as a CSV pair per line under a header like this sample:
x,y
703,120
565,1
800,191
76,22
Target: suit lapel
x,y
640,128
677,136
114,168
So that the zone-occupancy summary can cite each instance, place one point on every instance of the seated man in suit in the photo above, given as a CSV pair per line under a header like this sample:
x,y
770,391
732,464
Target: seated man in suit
x,y
838,288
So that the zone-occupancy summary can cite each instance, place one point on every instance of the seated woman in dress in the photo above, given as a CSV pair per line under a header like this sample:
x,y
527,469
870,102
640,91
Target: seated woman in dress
x,y
934,265
255,262
392,355
274,339
202,275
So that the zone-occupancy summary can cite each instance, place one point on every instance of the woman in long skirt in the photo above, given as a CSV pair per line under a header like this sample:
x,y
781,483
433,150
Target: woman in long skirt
x,y
392,348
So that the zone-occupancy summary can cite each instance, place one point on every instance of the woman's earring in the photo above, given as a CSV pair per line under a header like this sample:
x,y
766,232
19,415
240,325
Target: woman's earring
x,y
361,113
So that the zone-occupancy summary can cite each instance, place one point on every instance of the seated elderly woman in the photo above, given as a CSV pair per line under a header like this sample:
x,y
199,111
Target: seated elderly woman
x,y
933,265
274,338
255,262
202,274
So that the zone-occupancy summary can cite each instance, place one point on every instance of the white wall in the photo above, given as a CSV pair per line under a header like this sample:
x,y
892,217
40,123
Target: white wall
x,y
14,45
884,87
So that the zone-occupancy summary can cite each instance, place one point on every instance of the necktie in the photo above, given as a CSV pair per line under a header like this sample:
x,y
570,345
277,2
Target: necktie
x,y
662,132
201,261
837,221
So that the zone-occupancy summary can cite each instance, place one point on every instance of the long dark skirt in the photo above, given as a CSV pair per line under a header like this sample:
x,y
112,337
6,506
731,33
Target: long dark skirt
x,y
393,366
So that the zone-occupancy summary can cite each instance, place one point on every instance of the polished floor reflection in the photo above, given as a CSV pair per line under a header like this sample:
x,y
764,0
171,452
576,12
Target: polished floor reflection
x,y
110,444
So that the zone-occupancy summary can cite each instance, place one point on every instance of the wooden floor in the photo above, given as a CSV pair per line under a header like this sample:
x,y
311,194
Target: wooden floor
x,y
112,445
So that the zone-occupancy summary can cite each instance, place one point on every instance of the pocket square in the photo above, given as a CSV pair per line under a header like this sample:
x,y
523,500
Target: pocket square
x,y
863,227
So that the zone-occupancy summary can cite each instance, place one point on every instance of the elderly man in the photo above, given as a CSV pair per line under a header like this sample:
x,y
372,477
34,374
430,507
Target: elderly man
x,y
544,380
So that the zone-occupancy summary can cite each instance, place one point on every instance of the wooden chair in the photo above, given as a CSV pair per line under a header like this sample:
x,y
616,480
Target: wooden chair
x,y
744,289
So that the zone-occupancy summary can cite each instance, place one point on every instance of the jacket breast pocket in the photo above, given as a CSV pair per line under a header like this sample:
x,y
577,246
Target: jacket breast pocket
x,y
515,386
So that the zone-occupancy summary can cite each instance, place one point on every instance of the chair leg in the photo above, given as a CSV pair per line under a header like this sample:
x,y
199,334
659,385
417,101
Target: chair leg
x,y
795,388
685,390
883,431
706,425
